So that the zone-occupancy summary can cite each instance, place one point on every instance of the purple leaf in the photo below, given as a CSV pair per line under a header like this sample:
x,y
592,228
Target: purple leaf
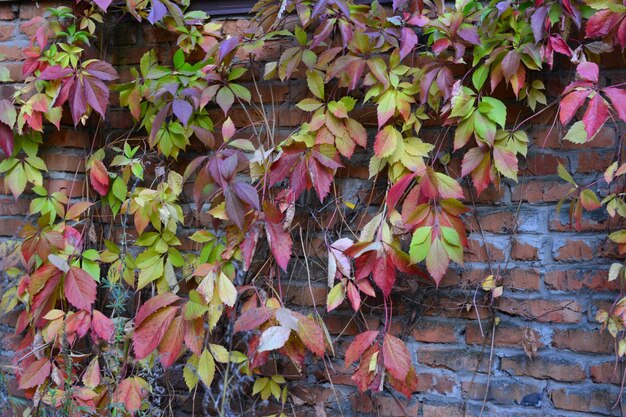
x,y
97,94
318,8
158,122
157,12
408,40
537,22
183,110
227,46
588,71
78,102
469,34
102,70
54,73
234,208
103,4
247,193
6,139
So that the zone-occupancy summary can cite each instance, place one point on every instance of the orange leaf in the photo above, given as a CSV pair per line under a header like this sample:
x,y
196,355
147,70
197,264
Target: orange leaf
x,y
131,392
35,374
99,177
149,334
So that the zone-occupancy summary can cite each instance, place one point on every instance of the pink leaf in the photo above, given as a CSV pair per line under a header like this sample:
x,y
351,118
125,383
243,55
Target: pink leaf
x,y
6,139
618,99
408,40
35,374
588,71
570,104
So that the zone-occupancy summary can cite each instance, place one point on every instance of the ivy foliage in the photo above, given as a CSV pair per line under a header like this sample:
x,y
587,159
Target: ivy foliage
x,y
105,302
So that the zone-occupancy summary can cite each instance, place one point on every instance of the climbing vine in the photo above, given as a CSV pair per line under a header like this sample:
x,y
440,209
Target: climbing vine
x,y
109,294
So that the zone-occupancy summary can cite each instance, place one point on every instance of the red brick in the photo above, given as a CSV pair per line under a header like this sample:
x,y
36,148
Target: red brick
x,y
301,295
544,367
479,251
596,221
552,138
73,188
434,332
524,251
64,162
542,164
523,279
503,391
609,372
11,53
494,222
578,340
10,207
385,405
573,280
7,13
6,31
590,400
539,191
506,335
572,250
10,226
594,161
429,382
566,311
454,359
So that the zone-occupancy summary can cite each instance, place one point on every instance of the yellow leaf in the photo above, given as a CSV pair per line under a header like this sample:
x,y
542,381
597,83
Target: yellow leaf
x,y
206,368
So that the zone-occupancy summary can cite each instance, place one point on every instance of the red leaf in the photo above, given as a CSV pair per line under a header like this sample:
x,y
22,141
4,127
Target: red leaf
x,y
153,304
131,392
558,44
172,343
35,374
570,104
618,99
150,332
102,326
354,296
99,177
595,116
79,288
588,71
321,177
78,323
280,243
6,139
311,335
384,273
359,345
252,319
396,357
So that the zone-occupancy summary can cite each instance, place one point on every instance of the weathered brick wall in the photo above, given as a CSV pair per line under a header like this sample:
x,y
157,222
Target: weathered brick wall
x,y
545,357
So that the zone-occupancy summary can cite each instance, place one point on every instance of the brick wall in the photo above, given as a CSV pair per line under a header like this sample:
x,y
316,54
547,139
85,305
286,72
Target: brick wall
x,y
536,352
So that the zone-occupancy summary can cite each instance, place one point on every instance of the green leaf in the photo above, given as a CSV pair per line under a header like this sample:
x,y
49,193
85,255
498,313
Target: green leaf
x,y
497,111
420,244
577,133
309,104
480,76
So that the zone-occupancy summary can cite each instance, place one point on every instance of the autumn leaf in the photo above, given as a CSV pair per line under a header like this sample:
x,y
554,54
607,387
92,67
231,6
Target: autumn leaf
x,y
273,338
311,335
206,368
35,374
396,357
359,345
131,392
252,319
99,177
80,288
102,326
150,332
